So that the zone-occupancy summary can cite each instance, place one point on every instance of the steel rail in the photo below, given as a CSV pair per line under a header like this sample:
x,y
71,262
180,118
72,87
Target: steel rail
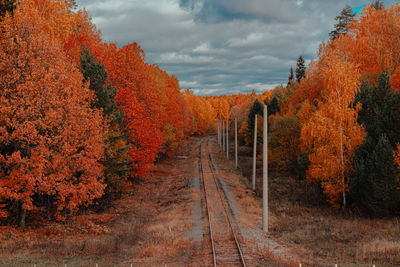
x,y
208,210
224,203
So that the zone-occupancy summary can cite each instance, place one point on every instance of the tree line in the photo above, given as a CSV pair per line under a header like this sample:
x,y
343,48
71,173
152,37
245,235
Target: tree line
x,y
337,124
80,118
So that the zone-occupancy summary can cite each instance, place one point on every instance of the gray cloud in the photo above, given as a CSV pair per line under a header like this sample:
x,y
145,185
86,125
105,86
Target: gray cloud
x,y
220,46
223,10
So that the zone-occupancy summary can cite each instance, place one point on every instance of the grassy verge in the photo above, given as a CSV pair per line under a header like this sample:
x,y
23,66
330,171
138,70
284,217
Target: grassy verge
x,y
303,221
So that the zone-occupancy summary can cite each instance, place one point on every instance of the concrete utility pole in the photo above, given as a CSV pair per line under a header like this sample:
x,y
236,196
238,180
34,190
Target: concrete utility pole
x,y
218,134
223,135
227,140
254,153
236,145
265,169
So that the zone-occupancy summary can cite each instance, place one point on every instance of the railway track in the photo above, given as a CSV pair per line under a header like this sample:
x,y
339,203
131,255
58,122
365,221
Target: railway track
x,y
225,245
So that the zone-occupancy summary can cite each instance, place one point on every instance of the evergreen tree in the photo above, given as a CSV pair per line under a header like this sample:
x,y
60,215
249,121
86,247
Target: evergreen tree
x,y
116,160
380,113
373,184
344,19
303,162
258,109
291,76
378,5
6,6
273,106
300,69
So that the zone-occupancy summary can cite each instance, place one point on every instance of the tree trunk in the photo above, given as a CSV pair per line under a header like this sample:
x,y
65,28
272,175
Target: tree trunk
x,y
342,157
342,162
22,215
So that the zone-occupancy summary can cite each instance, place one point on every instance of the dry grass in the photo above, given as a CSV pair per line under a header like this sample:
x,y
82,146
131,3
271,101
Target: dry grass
x,y
332,237
304,224
147,225
378,249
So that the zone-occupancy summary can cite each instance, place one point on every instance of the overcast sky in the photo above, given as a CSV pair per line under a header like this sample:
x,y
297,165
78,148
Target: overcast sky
x,y
221,46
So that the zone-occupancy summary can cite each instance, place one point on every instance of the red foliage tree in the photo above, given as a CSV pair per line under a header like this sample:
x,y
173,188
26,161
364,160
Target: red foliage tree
x,y
127,72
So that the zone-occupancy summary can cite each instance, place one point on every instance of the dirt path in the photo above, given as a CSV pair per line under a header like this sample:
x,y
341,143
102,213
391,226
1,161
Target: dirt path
x,y
159,221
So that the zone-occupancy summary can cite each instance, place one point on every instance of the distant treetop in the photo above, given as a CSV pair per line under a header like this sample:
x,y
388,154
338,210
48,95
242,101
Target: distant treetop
x,y
344,19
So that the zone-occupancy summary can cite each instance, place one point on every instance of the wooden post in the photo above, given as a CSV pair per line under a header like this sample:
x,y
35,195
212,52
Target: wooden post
x,y
223,135
236,144
227,139
265,169
254,154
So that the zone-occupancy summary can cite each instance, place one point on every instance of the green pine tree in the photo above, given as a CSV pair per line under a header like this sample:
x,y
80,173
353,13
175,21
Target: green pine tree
x,y
273,106
300,69
380,113
116,160
373,184
378,5
344,19
291,76
258,109
303,162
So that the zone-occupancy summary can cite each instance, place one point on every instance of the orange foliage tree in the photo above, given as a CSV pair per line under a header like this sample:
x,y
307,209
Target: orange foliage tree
x,y
332,133
51,141
173,114
127,72
52,138
204,115
374,38
395,81
155,110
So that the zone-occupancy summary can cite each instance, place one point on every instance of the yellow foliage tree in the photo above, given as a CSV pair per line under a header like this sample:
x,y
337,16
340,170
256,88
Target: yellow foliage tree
x,y
332,133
